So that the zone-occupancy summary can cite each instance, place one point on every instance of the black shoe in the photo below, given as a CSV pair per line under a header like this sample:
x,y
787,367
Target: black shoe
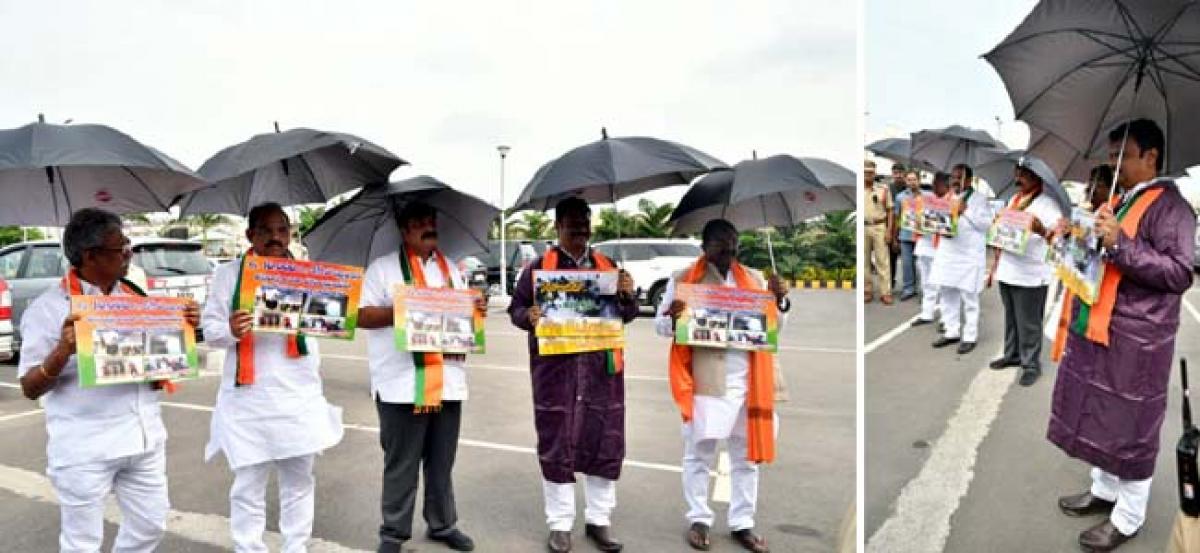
x,y
389,547
559,542
1103,537
454,539
1002,363
1029,376
944,341
600,537
908,296
1084,504
966,347
922,322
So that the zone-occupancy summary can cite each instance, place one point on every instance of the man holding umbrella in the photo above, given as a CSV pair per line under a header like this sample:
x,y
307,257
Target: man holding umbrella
x,y
418,395
722,395
579,406
958,268
877,225
271,413
99,439
1110,397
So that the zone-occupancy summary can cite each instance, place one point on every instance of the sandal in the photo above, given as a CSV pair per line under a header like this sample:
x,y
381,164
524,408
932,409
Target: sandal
x,y
750,541
697,537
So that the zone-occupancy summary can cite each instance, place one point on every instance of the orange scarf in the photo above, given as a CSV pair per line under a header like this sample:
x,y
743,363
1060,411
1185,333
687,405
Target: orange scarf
x,y
1099,315
244,372
760,392
429,366
615,361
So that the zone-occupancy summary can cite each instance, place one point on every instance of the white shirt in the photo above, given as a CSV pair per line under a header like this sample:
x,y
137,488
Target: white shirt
x,y
1031,268
715,418
960,261
924,246
393,375
93,424
283,414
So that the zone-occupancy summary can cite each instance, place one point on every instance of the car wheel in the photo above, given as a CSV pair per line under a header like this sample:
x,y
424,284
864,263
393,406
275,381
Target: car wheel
x,y
655,295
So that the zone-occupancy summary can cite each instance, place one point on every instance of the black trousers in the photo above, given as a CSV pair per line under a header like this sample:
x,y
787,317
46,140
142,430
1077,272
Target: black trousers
x,y
414,443
1023,309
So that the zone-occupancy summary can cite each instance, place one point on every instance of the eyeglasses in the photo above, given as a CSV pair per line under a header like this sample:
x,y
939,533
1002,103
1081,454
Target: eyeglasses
x,y
123,250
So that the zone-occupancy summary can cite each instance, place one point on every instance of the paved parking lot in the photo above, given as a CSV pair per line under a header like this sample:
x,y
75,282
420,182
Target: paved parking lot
x,y
803,498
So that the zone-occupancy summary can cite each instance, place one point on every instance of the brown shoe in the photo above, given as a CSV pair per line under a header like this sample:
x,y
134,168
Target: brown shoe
x,y
750,541
886,300
868,297
600,537
1084,504
697,537
559,542
1103,537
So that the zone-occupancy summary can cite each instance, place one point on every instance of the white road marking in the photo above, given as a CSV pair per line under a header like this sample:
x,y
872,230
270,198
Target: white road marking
x,y
921,523
890,335
10,385
19,415
817,349
198,527
1191,308
723,487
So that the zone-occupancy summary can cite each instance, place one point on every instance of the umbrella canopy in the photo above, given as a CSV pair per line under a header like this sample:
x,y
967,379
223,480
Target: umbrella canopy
x,y
49,171
777,191
1003,168
364,227
1067,162
293,167
945,148
1078,68
898,150
613,168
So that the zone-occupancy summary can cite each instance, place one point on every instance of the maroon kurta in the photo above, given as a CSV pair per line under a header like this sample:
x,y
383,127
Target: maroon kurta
x,y
579,409
1109,402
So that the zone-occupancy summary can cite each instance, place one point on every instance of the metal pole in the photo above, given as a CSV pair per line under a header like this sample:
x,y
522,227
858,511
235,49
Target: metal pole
x,y
503,235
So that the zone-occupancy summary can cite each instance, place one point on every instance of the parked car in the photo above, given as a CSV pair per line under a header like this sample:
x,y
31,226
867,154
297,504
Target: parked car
x,y
473,271
651,262
520,253
6,327
160,266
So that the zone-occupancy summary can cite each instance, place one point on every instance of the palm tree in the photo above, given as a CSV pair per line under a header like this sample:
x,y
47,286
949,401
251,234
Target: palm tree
x,y
533,225
652,221
205,221
309,217
613,224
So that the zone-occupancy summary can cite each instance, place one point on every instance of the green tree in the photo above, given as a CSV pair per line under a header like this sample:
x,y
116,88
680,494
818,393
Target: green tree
x,y
511,230
652,220
309,217
533,225
205,221
613,224
12,235
135,219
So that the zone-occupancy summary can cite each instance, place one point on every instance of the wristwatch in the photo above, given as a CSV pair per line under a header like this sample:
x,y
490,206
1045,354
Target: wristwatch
x,y
784,306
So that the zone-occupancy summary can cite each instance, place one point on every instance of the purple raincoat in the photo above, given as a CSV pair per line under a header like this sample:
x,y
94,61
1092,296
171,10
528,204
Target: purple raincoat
x,y
579,409
1109,402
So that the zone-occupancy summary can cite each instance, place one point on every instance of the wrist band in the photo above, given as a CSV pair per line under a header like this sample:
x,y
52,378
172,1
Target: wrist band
x,y
42,369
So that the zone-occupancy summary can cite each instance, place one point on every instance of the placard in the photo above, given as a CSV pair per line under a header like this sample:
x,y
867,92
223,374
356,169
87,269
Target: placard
x,y
937,216
579,311
1076,257
724,317
290,296
437,319
133,339
910,214
1010,231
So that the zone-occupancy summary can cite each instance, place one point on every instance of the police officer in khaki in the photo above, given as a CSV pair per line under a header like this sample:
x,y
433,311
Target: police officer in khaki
x,y
878,220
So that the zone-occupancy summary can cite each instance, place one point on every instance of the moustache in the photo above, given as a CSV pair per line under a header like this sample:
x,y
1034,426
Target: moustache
x,y
275,243
431,235
579,232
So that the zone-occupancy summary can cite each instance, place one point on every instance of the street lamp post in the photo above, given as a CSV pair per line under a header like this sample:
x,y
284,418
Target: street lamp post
x,y
503,216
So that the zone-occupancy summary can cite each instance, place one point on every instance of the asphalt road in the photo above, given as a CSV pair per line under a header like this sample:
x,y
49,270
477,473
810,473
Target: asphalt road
x,y
956,454
803,496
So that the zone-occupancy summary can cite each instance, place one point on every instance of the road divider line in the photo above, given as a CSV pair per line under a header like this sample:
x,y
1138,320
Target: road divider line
x,y
921,521
197,527
19,415
889,335
1191,309
10,385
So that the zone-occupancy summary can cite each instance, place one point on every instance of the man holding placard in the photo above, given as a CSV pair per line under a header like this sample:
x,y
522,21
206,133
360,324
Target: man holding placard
x,y
578,391
418,394
1021,266
925,250
271,413
906,202
723,393
103,438
958,268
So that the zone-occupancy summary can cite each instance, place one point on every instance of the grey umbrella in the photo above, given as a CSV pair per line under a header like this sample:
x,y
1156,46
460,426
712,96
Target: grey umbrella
x,y
1067,162
49,171
1078,68
776,191
1000,172
945,148
364,227
613,168
293,167
898,150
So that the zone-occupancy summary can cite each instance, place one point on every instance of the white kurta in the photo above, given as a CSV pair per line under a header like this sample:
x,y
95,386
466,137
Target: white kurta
x,y
284,413
1031,268
961,261
393,374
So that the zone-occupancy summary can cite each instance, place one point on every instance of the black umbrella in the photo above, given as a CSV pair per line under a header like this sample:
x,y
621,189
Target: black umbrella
x,y
293,167
945,148
898,150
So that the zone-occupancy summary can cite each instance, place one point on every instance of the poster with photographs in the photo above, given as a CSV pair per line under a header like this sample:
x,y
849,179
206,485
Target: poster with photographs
x,y
437,319
133,339
289,296
937,216
1076,257
723,317
579,311
910,214
1010,231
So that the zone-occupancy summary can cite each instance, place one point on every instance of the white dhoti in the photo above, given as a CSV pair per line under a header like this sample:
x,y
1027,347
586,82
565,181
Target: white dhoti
x,y
929,290
599,493
248,505
960,313
699,457
139,483
1131,498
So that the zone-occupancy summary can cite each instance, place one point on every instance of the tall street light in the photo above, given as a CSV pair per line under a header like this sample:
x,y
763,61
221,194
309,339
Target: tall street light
x,y
503,216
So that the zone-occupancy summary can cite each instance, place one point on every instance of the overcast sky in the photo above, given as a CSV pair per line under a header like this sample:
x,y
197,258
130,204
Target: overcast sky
x,y
441,84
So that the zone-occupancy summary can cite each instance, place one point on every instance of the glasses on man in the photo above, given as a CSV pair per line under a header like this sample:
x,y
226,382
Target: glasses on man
x,y
123,250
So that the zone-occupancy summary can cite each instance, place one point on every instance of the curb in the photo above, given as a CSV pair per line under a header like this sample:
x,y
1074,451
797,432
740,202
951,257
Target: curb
x,y
825,284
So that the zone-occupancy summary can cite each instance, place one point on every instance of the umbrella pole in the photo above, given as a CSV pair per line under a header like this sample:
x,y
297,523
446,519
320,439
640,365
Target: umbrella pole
x,y
1137,88
617,219
770,249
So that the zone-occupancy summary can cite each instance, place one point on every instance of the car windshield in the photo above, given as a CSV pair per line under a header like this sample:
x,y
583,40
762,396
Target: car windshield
x,y
677,250
164,260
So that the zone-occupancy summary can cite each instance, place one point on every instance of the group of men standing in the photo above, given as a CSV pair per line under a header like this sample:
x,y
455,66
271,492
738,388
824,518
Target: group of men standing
x,y
271,414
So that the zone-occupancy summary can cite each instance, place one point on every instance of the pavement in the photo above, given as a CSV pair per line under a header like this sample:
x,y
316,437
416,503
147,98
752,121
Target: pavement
x,y
803,496
956,457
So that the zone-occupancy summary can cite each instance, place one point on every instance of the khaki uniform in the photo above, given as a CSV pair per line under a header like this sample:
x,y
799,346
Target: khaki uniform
x,y
1185,536
877,205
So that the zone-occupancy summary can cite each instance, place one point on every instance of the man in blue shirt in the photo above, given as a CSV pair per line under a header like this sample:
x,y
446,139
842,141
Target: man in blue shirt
x,y
907,241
